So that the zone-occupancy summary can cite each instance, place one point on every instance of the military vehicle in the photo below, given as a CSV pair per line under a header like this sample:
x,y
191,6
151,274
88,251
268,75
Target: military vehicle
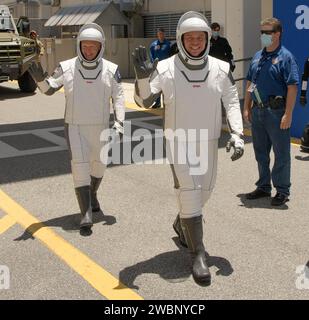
x,y
17,50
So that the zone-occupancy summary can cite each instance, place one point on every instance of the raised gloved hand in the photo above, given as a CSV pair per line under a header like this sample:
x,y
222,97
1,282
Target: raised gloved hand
x,y
238,145
37,72
303,100
143,67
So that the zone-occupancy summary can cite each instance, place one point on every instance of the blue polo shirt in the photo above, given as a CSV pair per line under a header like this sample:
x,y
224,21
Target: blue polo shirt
x,y
160,50
272,72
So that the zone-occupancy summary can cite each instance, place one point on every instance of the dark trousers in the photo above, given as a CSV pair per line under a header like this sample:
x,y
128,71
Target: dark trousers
x,y
266,134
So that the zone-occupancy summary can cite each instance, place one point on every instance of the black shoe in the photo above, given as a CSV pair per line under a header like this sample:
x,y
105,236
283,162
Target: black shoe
x,y
257,194
304,149
279,199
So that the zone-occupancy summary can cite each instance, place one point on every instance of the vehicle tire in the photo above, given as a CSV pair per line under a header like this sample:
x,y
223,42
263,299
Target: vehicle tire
x,y
26,83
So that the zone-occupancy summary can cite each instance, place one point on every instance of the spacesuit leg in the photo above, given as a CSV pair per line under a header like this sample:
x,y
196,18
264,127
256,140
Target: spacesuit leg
x,y
80,157
176,225
190,197
208,180
97,168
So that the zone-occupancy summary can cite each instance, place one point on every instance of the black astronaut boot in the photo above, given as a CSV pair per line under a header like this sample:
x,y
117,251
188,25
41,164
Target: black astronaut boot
x,y
95,183
178,230
84,201
193,232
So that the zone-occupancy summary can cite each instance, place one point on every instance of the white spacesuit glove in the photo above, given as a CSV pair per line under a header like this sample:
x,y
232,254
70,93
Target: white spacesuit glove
x,y
37,72
238,145
143,67
118,130
144,70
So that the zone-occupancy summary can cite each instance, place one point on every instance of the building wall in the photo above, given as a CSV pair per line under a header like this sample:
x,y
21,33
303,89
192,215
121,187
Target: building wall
x,y
66,3
34,10
163,6
267,9
8,2
111,15
118,51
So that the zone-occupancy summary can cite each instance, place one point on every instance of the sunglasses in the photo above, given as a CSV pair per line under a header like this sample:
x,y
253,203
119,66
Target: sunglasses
x,y
267,31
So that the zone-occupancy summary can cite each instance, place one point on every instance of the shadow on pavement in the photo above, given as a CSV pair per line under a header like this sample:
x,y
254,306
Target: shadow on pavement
x,y
302,158
263,203
173,266
44,164
12,93
68,223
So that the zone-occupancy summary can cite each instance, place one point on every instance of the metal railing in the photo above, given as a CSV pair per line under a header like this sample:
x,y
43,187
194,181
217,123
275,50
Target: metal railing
x,y
242,60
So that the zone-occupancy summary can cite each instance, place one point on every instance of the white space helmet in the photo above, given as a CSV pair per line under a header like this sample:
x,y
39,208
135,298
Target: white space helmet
x,y
188,22
94,32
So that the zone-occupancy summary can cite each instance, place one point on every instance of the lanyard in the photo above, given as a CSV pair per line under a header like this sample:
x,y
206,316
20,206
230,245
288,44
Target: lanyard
x,y
261,64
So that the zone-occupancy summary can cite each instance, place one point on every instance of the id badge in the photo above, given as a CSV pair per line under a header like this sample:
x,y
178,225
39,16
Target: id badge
x,y
252,87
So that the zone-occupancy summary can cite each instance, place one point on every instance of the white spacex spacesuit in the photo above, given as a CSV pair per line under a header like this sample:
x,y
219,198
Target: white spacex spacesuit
x,y
88,88
192,88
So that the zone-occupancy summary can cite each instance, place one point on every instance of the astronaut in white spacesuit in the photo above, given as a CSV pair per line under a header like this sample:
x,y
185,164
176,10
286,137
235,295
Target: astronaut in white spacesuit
x,y
89,83
193,85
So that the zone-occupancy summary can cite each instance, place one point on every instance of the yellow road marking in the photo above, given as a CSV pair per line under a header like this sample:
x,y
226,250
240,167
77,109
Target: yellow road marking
x,y
6,223
295,142
157,112
105,283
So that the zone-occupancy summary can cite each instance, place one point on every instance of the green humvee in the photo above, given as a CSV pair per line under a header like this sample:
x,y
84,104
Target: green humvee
x,y
17,50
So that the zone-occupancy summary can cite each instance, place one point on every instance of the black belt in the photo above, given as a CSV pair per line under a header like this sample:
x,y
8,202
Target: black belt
x,y
272,103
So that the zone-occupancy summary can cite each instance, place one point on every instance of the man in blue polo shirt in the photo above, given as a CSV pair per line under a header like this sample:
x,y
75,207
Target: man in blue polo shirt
x,y
270,97
160,49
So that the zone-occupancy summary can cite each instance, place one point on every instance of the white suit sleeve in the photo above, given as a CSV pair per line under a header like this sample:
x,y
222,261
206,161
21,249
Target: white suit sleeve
x,y
53,83
232,106
118,101
147,90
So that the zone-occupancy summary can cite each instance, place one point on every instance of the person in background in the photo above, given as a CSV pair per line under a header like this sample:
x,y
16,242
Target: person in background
x,y
220,47
39,44
270,97
174,49
160,49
